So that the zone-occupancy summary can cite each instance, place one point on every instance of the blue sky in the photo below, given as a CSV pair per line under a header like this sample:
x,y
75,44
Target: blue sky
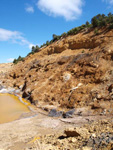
x,y
24,23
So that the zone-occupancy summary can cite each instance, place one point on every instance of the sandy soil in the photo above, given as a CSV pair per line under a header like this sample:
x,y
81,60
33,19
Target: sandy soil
x,y
22,134
5,67
25,130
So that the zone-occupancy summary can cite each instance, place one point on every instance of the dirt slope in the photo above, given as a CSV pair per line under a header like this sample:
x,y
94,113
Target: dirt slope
x,y
74,72
5,67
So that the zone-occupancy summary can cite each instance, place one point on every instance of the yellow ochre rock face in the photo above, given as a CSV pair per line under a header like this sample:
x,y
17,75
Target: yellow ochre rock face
x,y
53,75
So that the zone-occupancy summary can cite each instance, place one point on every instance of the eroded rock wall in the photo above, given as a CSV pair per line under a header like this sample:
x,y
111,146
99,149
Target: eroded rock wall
x,y
74,72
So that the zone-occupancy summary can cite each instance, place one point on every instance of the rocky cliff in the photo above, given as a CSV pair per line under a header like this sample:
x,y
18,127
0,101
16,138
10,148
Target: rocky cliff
x,y
74,72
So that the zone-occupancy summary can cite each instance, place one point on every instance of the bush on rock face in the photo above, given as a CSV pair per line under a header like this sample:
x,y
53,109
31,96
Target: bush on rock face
x,y
96,32
64,34
111,26
47,43
87,23
97,21
56,37
18,59
34,50
102,20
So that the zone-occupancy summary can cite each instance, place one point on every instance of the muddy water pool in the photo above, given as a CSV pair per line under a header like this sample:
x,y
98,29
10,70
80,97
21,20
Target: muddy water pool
x,y
11,108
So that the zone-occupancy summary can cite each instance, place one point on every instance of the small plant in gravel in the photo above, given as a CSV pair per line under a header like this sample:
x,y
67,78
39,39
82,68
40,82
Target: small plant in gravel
x,y
83,51
96,32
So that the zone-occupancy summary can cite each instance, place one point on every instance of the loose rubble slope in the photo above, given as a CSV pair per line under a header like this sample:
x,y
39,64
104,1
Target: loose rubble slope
x,y
74,72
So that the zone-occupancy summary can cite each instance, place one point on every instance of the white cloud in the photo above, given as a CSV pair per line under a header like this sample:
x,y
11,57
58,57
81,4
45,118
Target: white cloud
x,y
108,1
29,9
13,36
69,9
31,45
10,60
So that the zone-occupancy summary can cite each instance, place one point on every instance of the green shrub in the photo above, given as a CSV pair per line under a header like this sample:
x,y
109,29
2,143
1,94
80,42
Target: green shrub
x,y
96,32
70,32
90,49
99,20
64,34
111,26
15,61
83,51
43,45
103,23
87,23
95,22
110,18
35,48
81,27
73,31
47,43
56,37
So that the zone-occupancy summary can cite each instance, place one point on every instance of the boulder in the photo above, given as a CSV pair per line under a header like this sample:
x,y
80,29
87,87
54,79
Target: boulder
x,y
71,132
69,113
1,87
55,113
